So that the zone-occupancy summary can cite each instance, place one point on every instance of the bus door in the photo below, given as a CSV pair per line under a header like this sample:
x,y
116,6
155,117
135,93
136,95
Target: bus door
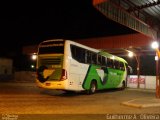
x,y
118,73
111,77
113,72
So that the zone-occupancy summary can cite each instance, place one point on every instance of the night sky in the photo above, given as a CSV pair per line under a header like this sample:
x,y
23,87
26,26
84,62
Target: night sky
x,y
28,23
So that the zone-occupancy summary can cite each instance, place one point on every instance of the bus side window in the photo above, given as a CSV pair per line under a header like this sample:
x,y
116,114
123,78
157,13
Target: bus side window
x,y
88,56
99,62
104,62
109,62
94,58
82,55
85,56
122,66
78,53
73,52
116,64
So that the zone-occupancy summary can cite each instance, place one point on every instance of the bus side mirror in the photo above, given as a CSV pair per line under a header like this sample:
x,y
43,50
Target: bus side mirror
x,y
130,70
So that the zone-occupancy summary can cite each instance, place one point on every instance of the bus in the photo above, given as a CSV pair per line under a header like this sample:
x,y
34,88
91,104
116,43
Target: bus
x,y
70,66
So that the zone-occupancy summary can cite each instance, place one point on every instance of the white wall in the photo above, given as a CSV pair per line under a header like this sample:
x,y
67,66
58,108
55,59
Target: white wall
x,y
146,82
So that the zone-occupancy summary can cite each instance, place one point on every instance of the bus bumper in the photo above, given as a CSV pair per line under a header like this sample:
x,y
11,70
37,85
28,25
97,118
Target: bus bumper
x,y
52,84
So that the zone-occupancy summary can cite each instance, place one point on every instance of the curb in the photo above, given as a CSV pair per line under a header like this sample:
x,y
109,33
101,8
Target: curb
x,y
143,90
131,104
142,105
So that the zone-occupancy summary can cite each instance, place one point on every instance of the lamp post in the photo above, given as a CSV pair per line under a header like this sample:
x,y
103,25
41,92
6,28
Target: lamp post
x,y
131,54
155,46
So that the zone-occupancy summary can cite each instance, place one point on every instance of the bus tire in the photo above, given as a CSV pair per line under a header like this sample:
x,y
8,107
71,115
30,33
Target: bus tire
x,y
123,85
93,87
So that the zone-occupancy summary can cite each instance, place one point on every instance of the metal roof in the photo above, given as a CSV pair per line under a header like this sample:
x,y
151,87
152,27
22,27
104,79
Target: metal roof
x,y
152,7
146,10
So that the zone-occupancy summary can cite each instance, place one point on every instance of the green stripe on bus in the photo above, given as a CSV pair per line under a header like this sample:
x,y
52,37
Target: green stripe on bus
x,y
111,78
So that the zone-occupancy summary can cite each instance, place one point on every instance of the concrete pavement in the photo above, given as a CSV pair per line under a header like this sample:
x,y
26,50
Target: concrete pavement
x,y
143,102
25,101
139,98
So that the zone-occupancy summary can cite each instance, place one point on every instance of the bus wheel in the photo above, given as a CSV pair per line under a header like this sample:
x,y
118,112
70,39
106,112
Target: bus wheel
x,y
93,87
123,85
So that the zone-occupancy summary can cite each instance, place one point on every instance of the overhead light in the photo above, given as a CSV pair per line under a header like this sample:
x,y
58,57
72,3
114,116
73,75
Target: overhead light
x,y
34,56
155,45
156,58
32,66
130,54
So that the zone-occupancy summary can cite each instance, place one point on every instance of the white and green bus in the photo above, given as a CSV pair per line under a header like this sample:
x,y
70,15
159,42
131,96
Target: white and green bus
x,y
70,66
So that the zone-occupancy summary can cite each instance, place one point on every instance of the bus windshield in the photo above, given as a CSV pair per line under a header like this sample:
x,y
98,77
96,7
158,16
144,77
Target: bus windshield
x,y
56,47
